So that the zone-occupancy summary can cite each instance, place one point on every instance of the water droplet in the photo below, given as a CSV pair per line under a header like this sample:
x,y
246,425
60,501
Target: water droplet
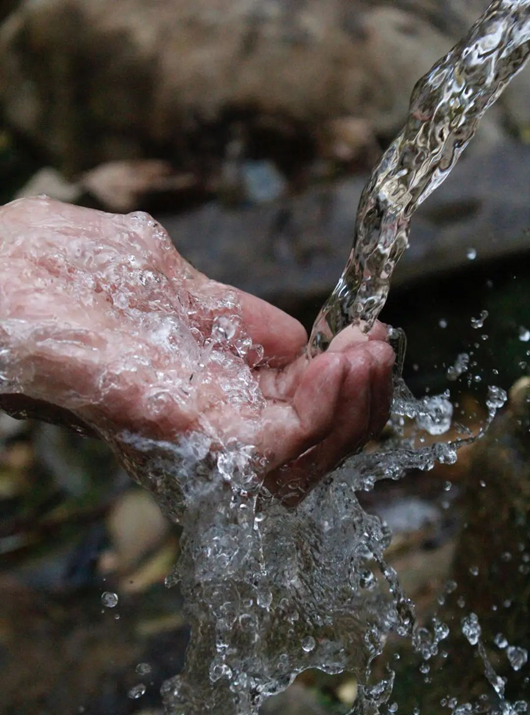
x,y
308,644
450,586
500,641
524,334
442,323
471,628
367,580
479,322
517,657
143,669
471,254
496,397
473,570
425,668
441,630
435,414
137,691
109,599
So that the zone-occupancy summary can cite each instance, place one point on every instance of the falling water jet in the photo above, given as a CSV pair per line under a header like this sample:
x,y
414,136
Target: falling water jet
x,y
445,109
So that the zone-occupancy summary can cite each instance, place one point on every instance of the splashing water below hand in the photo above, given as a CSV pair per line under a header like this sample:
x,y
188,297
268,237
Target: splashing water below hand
x,y
271,593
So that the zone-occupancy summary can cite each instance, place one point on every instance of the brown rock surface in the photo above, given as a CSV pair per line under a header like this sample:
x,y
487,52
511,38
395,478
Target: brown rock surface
x,y
89,81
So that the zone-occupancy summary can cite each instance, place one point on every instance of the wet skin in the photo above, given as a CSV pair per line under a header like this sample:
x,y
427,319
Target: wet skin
x,y
64,333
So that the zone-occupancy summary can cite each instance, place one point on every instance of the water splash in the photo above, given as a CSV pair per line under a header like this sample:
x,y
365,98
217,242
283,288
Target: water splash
x,y
269,592
445,110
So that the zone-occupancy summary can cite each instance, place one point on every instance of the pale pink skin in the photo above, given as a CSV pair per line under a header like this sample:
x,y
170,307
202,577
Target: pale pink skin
x,y
74,352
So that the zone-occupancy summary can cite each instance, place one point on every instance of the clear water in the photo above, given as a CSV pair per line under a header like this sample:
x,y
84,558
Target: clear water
x,y
272,592
446,107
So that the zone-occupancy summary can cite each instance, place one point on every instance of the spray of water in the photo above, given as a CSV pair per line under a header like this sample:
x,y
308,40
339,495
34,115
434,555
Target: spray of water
x,y
272,592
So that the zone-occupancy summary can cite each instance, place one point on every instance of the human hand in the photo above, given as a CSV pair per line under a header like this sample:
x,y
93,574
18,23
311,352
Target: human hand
x,y
105,327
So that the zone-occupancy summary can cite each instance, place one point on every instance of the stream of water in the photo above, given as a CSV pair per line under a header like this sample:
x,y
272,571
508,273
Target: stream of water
x,y
445,110
271,592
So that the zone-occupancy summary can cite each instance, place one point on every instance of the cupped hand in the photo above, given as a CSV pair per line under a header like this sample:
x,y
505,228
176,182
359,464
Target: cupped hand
x,y
106,328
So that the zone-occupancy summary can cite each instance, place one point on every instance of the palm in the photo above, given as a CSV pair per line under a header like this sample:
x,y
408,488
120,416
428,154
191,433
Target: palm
x,y
104,325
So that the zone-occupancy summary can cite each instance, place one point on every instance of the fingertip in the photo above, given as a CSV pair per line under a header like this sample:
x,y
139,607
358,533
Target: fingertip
x,y
382,353
351,336
319,391
379,331
282,337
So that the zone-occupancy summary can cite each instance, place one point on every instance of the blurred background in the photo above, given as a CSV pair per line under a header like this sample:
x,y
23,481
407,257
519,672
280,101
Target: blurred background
x,y
248,128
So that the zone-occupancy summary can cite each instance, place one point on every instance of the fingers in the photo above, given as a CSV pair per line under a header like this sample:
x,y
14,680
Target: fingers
x,y
355,335
289,428
359,414
282,337
282,384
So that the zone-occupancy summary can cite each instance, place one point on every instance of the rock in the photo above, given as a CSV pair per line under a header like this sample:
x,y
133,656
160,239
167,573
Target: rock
x,y
136,528
296,700
346,139
262,182
50,182
516,100
10,427
293,251
7,7
124,186
89,81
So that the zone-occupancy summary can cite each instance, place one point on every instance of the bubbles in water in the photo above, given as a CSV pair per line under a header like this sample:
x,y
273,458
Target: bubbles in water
x,y
109,599
471,628
137,691
517,656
